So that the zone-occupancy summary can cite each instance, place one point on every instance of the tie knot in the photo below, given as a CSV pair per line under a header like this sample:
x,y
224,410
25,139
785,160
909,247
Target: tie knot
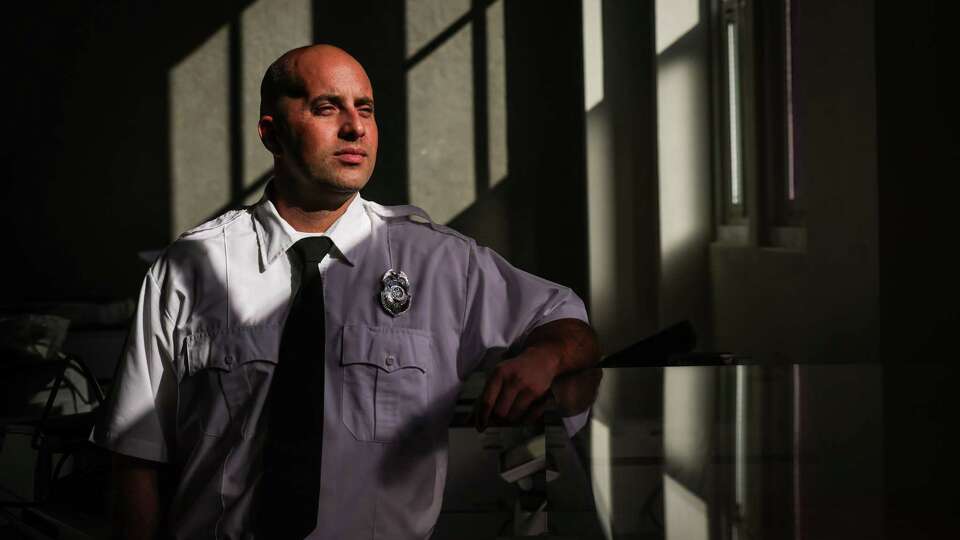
x,y
312,248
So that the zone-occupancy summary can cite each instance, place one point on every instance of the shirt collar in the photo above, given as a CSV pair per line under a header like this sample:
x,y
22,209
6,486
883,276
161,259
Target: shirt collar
x,y
275,235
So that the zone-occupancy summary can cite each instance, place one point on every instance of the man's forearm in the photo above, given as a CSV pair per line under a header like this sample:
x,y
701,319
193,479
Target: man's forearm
x,y
136,498
516,387
571,343
576,349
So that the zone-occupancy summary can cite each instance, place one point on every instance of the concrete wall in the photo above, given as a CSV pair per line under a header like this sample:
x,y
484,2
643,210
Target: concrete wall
x,y
622,188
216,155
684,152
622,194
650,222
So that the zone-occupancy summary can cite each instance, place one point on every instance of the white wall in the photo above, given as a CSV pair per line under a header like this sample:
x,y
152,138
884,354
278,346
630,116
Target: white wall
x,y
684,160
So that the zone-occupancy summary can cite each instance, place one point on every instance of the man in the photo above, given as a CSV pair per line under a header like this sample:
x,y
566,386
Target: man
x,y
255,366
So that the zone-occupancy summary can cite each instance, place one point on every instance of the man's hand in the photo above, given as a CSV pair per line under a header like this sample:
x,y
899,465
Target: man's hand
x,y
517,389
515,385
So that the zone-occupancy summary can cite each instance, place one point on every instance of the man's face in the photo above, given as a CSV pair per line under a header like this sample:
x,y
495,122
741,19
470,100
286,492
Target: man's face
x,y
328,136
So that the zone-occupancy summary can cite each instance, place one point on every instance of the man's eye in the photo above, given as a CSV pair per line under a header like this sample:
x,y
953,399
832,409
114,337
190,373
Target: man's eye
x,y
324,110
366,111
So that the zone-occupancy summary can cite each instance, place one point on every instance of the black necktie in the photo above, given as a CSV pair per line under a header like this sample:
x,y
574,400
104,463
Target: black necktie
x,y
291,474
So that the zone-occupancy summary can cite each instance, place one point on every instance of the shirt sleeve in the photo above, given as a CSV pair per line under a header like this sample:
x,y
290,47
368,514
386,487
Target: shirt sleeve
x,y
573,424
134,415
504,304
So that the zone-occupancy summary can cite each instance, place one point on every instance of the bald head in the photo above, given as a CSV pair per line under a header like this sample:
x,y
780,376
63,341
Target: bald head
x,y
317,119
285,76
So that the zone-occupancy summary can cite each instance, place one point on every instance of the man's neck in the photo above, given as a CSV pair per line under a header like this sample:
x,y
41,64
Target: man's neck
x,y
306,217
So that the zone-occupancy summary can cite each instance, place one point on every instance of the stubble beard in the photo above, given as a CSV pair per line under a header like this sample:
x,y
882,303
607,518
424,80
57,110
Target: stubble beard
x,y
322,187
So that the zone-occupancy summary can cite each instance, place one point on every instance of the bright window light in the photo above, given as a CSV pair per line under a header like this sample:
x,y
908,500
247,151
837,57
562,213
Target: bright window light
x,y
733,81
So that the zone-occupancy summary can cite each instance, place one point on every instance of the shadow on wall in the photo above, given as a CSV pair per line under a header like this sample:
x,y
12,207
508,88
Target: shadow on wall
x,y
649,177
147,115
91,164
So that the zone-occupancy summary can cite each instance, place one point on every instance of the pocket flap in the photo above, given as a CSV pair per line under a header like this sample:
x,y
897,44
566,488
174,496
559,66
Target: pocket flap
x,y
388,348
201,352
223,349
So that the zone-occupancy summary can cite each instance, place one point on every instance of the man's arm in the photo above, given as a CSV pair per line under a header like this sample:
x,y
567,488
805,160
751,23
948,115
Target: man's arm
x,y
562,354
136,498
137,414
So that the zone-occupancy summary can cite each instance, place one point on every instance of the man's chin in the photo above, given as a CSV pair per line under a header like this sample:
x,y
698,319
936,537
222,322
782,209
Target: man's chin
x,y
324,193
343,185
339,191
324,184
346,189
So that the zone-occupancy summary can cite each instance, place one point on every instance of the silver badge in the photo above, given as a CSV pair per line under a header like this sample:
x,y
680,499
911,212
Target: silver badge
x,y
395,294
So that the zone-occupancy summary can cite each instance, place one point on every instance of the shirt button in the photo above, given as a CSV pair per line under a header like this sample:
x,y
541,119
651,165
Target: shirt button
x,y
228,360
389,360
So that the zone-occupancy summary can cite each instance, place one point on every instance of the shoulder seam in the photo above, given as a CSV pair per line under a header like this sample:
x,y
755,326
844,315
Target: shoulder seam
x,y
436,227
408,213
160,299
213,224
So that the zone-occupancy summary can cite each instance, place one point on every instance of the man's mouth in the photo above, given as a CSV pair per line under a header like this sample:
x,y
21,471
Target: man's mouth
x,y
351,155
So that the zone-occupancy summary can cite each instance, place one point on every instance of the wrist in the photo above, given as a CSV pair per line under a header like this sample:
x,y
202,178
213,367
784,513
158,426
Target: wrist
x,y
547,357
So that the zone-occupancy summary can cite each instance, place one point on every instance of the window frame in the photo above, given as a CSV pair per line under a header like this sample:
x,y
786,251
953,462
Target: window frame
x,y
767,129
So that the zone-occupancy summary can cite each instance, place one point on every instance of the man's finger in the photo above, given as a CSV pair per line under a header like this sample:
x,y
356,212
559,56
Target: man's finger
x,y
508,394
520,405
487,399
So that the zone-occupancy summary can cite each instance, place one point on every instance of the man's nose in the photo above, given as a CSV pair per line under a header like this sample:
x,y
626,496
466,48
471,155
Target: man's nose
x,y
352,127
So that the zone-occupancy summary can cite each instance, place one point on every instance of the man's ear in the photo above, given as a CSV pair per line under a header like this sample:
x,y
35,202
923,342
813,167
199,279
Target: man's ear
x,y
267,128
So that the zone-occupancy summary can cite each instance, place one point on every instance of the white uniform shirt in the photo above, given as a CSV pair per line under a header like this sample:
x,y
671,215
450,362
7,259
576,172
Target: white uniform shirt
x,y
192,382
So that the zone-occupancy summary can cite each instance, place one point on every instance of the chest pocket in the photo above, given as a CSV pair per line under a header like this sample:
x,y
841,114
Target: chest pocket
x,y
386,373
222,370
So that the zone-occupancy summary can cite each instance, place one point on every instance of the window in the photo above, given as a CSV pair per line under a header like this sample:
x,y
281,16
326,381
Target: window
x,y
759,189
